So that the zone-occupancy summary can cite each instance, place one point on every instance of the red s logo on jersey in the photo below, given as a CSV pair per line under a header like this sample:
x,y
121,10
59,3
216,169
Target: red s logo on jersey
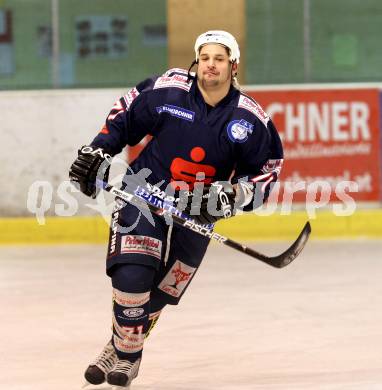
x,y
183,170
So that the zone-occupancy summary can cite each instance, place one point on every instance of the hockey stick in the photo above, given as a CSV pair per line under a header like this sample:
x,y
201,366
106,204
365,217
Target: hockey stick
x,y
279,261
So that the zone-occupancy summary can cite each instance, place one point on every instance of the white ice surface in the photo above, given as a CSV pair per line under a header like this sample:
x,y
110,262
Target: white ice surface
x,y
315,325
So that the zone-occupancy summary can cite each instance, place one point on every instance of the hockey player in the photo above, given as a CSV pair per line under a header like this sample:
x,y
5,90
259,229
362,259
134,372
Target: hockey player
x,y
202,126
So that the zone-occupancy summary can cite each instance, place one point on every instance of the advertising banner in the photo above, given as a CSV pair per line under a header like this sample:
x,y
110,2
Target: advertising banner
x,y
330,136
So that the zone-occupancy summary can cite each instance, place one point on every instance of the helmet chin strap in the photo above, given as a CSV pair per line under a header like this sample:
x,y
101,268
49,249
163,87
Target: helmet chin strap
x,y
232,64
189,77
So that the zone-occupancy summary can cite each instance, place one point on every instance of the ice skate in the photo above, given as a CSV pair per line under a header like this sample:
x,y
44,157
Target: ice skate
x,y
96,373
123,373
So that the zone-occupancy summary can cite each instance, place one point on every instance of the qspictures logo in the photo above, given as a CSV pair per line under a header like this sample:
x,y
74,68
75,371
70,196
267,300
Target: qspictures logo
x,y
65,200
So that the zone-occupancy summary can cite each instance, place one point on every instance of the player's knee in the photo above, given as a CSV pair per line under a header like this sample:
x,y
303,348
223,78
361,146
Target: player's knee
x,y
133,278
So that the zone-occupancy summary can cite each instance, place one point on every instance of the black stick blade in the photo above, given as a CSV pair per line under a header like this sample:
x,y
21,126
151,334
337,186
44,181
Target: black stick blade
x,y
294,250
289,255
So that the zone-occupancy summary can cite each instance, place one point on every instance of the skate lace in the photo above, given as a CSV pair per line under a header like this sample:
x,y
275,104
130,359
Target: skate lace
x,y
106,358
124,366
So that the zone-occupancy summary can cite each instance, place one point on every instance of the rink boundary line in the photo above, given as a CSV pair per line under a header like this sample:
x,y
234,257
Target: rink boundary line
x,y
248,227
56,230
327,225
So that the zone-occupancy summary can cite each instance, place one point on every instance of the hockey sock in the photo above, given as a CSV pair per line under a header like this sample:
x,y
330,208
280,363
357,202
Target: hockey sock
x,y
131,308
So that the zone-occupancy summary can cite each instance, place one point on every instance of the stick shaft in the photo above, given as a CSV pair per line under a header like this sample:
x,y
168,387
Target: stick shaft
x,y
276,261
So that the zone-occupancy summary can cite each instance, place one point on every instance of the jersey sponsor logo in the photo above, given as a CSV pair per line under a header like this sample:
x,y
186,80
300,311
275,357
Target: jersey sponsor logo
x,y
130,96
133,313
238,130
130,299
177,279
189,172
178,112
177,81
250,105
143,245
131,343
123,104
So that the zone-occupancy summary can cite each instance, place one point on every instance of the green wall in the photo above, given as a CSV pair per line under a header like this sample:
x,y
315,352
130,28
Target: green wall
x,y
141,61
344,43
32,71
344,38
274,41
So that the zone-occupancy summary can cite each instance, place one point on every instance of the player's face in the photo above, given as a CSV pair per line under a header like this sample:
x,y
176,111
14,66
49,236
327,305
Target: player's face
x,y
214,68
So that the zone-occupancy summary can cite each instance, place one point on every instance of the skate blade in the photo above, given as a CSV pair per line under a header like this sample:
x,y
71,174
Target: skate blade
x,y
121,388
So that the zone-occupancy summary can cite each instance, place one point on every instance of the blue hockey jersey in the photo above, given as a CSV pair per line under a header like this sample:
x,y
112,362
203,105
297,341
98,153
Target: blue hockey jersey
x,y
233,140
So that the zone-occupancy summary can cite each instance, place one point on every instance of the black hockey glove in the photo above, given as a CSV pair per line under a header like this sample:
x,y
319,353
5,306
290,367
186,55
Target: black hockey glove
x,y
91,163
216,202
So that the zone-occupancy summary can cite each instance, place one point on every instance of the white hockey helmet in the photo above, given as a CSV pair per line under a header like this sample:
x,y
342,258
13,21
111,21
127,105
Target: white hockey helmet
x,y
221,37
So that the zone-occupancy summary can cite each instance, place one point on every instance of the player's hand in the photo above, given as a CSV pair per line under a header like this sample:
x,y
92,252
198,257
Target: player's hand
x,y
217,202
91,163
